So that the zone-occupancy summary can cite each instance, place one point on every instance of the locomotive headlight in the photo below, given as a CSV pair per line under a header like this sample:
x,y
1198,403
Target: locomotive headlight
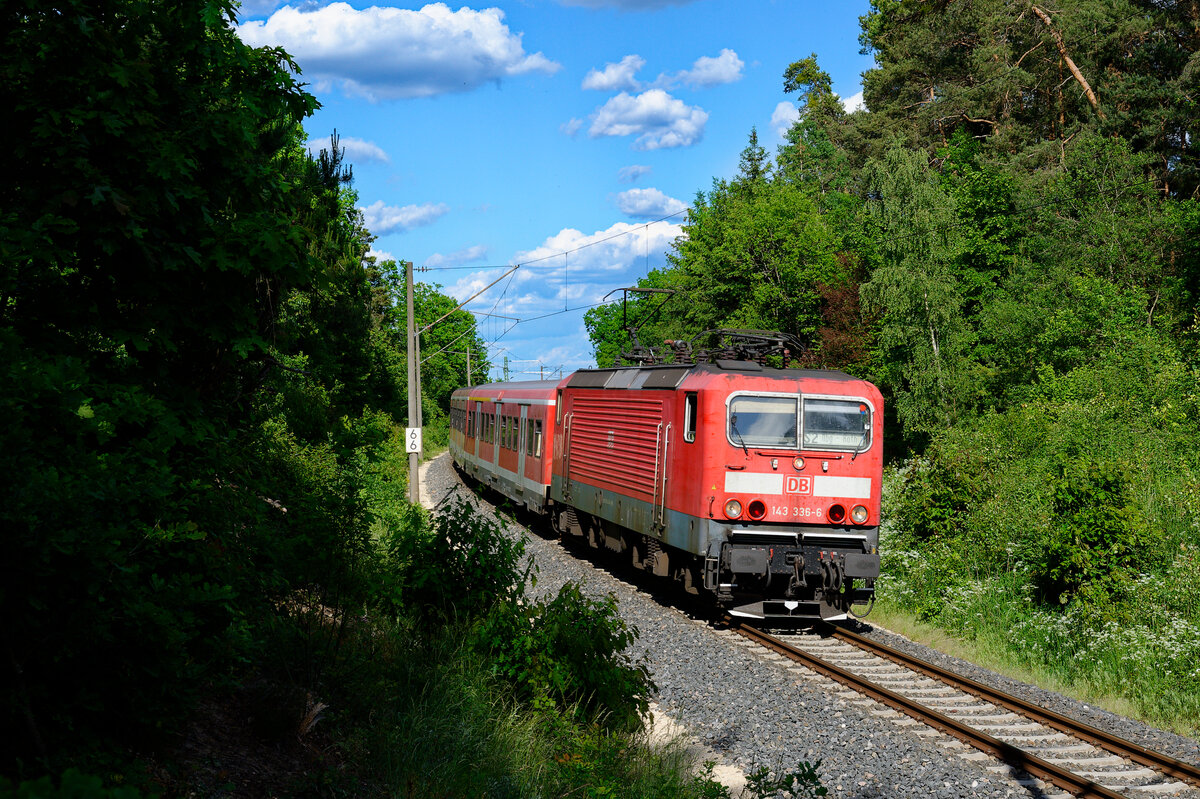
x,y
733,508
859,514
798,464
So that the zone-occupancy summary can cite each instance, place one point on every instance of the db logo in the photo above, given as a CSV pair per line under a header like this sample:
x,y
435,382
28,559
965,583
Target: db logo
x,y
797,485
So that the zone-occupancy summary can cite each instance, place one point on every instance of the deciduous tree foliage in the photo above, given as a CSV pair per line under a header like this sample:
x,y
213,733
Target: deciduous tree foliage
x,y
148,233
199,370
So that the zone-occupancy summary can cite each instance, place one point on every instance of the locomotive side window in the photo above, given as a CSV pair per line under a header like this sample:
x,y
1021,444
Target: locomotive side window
x,y
836,424
689,416
763,421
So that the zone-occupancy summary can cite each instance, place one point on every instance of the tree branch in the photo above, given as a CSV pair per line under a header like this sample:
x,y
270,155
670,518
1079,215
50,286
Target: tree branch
x,y
1027,52
1062,51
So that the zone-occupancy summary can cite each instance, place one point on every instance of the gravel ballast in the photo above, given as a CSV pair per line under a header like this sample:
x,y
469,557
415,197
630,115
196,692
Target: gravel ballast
x,y
751,710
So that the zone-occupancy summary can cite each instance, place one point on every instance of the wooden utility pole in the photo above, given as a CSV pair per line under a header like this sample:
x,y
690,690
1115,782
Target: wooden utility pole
x,y
412,435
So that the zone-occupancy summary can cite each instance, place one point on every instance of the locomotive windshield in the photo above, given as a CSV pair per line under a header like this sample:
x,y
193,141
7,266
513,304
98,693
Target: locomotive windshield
x,y
836,424
763,421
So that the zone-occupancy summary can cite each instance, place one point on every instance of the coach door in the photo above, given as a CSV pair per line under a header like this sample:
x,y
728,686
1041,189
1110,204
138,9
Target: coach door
x,y
497,406
520,443
478,427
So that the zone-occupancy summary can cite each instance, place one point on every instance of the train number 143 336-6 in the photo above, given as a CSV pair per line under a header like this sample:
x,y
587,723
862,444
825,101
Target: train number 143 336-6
x,y
797,513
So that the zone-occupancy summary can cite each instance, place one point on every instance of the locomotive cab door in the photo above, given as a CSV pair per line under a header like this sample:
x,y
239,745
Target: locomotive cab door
x,y
658,509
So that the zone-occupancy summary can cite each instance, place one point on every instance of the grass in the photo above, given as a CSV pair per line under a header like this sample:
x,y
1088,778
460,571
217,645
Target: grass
x,y
992,653
1121,668
433,722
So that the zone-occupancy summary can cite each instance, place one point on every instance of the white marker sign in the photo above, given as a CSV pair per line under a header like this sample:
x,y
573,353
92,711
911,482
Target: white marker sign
x,y
412,439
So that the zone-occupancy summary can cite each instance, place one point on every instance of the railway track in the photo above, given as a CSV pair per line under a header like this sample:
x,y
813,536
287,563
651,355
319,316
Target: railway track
x,y
1051,748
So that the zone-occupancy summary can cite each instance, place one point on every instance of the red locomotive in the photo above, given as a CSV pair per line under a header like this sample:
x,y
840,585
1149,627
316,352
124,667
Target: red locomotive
x,y
758,485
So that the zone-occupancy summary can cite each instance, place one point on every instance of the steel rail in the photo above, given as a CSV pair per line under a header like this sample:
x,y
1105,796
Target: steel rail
x,y
1013,755
1077,729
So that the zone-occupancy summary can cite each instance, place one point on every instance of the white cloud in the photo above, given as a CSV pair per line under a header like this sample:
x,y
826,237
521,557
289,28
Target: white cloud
x,y
648,204
655,117
614,252
380,256
594,264
389,53
616,77
629,174
708,71
458,257
854,103
357,150
548,282
384,219
784,116
571,127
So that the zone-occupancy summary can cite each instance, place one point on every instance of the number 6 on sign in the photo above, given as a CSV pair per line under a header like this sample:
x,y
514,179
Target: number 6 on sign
x,y
412,439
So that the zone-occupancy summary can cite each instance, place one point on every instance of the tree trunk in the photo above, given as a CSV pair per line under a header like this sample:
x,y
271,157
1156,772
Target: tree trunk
x,y
1062,50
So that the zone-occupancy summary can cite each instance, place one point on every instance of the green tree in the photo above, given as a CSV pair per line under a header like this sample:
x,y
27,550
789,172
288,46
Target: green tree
x,y
754,252
923,338
1027,78
161,212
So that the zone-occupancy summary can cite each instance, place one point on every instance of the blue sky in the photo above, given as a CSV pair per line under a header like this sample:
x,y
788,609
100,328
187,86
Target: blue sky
x,y
563,135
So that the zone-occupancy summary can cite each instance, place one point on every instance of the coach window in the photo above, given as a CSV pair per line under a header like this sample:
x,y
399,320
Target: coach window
x,y
533,438
689,416
558,408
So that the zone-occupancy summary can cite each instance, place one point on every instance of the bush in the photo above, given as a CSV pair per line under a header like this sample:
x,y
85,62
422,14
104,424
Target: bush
x,y
462,568
1095,535
570,652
